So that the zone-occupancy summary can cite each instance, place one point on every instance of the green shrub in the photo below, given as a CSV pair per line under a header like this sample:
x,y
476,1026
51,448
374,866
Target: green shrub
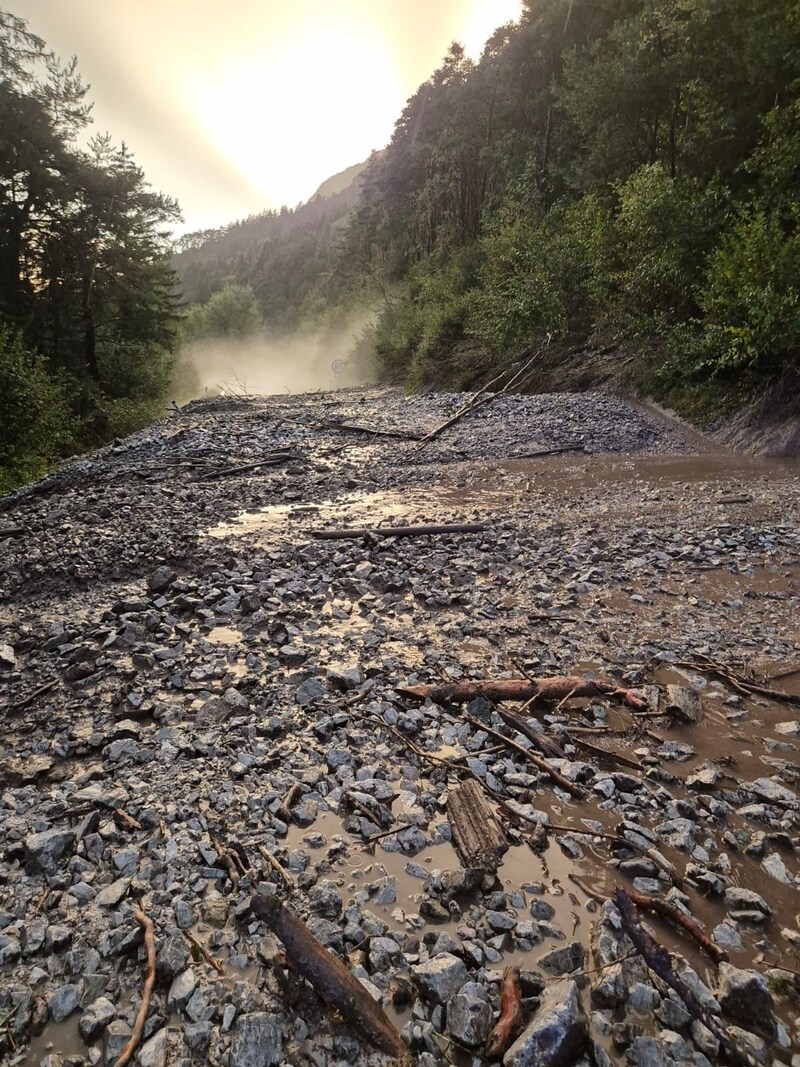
x,y
751,297
35,421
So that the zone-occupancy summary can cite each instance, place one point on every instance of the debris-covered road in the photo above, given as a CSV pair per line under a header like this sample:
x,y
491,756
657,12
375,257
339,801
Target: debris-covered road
x,y
202,701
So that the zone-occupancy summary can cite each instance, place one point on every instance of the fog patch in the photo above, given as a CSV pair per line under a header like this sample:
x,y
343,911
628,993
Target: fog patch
x,y
310,359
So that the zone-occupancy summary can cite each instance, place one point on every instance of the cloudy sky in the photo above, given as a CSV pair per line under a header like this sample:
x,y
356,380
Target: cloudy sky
x,y
237,106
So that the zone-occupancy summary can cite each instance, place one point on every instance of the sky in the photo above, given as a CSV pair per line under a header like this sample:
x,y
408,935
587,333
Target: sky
x,y
239,106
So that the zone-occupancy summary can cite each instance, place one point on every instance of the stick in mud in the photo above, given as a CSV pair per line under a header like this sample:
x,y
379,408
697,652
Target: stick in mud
x,y
511,1020
659,962
330,978
147,991
353,534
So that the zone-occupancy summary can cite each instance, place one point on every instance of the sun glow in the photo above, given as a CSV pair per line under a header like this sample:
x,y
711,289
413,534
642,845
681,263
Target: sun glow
x,y
484,18
324,98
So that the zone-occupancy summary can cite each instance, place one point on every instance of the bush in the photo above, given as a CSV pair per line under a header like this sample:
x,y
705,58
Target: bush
x,y
751,297
35,422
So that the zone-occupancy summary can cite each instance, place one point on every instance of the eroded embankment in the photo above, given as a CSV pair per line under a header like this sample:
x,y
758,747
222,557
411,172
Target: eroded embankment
x,y
181,656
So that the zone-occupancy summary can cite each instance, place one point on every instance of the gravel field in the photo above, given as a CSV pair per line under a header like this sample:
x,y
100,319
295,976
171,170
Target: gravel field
x,y
204,700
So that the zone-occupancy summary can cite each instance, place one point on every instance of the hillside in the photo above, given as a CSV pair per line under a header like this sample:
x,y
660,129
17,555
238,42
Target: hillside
x,y
625,172
280,255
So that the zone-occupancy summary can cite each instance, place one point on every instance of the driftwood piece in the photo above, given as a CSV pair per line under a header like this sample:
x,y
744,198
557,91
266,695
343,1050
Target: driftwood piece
x,y
370,431
738,681
669,911
477,836
32,697
275,459
483,396
536,690
542,764
659,962
601,753
201,948
512,1019
147,990
541,452
334,982
545,744
397,531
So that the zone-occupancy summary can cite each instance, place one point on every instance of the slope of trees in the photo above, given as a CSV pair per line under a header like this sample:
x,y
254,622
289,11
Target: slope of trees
x,y
627,169
88,302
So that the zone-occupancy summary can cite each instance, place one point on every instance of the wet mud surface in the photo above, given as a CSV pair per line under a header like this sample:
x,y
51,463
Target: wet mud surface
x,y
178,655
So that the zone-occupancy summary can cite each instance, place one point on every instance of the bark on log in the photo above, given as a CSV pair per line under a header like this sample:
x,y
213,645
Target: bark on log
x,y
397,531
147,991
330,978
545,744
477,836
538,690
512,1019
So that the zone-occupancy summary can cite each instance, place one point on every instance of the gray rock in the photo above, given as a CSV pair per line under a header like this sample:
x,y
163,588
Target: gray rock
x,y
469,1019
727,937
96,1018
564,960
63,1002
113,894
325,899
257,1040
440,978
153,1052
117,1035
161,579
777,869
181,989
8,660
215,909
45,851
309,692
744,996
746,899
556,1035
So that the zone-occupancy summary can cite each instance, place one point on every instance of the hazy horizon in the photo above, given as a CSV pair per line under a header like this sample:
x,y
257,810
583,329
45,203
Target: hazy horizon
x,y
239,110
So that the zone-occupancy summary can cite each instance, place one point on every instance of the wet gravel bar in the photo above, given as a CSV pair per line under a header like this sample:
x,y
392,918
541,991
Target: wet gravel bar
x,y
201,701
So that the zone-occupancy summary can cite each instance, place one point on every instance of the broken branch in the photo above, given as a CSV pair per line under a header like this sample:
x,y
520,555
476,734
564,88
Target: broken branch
x,y
548,690
397,531
509,1024
147,991
328,975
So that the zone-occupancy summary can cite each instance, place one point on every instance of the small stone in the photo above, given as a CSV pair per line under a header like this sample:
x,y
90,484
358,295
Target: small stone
x,y
257,1041
309,692
469,1019
777,869
45,851
161,579
96,1018
440,978
64,1002
153,1052
744,996
181,989
215,909
564,960
114,893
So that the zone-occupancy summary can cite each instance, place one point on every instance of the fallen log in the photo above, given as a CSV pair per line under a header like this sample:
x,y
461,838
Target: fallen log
x,y
512,1019
147,990
329,977
541,452
397,531
477,836
738,681
273,460
659,961
542,764
536,690
601,753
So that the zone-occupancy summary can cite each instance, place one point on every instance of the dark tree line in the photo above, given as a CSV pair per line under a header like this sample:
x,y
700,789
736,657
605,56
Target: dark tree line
x,y
87,294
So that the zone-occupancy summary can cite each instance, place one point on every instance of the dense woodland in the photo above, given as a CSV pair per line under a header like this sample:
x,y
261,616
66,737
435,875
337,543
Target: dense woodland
x,y
88,299
623,170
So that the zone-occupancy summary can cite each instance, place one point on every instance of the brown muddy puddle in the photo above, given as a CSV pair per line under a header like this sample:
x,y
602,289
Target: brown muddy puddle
x,y
351,509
